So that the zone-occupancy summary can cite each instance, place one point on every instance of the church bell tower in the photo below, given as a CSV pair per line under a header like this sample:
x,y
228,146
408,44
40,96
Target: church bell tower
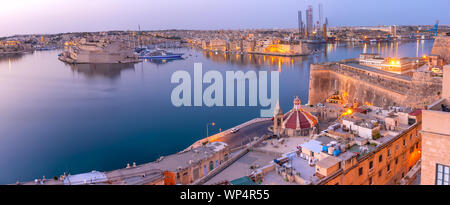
x,y
277,119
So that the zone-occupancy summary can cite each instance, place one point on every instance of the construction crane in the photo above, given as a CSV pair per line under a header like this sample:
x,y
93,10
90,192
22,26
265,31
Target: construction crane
x,y
434,31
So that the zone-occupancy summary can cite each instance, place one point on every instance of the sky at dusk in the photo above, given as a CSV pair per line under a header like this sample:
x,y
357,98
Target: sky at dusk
x,y
55,16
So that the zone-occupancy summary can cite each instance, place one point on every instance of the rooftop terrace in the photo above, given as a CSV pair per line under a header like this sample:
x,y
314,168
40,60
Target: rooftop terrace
x,y
281,146
242,167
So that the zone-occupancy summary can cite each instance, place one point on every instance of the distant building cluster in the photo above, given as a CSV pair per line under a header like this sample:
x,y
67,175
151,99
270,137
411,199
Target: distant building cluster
x,y
14,46
269,42
401,66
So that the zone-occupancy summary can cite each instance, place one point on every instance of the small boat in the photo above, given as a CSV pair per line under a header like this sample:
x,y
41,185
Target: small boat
x,y
44,48
159,54
139,49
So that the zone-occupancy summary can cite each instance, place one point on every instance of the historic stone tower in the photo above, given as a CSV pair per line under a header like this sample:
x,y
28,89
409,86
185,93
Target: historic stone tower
x,y
277,119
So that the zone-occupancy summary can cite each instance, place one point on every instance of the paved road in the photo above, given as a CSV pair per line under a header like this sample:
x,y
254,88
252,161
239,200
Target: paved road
x,y
416,180
246,134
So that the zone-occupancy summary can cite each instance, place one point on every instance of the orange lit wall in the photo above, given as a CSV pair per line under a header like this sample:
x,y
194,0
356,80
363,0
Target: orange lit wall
x,y
277,48
169,178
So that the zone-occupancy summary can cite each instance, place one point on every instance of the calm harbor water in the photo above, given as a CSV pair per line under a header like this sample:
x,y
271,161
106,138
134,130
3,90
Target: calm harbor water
x,y
57,118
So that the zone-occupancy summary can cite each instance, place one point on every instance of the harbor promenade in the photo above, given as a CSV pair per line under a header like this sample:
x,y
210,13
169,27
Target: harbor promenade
x,y
253,128
250,133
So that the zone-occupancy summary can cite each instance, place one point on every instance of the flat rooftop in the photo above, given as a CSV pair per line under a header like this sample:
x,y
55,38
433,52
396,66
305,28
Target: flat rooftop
x,y
272,178
357,149
302,166
241,167
325,139
328,162
298,165
86,178
185,158
287,145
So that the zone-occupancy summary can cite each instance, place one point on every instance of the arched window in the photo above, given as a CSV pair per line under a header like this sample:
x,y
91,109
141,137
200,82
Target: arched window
x,y
211,165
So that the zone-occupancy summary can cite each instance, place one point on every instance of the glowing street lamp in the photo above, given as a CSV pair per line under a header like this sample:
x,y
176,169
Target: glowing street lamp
x,y
349,111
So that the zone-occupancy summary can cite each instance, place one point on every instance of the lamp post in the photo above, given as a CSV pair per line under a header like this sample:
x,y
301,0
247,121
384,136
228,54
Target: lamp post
x,y
207,124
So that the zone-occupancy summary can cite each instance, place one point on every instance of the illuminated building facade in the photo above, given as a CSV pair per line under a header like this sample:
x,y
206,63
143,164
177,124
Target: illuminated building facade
x,y
394,65
386,163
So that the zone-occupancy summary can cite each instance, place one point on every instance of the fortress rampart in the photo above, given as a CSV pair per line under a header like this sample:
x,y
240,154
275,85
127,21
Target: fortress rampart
x,y
441,47
367,85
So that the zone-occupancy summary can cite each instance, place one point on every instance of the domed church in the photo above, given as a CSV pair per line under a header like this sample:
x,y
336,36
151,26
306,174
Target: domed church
x,y
296,122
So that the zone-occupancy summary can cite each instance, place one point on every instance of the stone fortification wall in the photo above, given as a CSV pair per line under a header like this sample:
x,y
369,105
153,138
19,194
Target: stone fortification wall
x,y
373,88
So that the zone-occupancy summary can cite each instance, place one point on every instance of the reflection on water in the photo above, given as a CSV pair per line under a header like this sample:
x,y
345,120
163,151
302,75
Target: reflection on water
x,y
161,61
389,49
11,57
111,71
329,52
256,60
53,121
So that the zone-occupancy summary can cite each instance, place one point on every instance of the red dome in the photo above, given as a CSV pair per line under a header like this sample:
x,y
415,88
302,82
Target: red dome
x,y
297,118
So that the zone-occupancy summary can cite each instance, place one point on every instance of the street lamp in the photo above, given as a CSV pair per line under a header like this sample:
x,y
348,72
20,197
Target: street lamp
x,y
207,124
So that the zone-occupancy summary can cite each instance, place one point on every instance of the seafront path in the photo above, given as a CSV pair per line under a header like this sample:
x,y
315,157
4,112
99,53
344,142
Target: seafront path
x,y
247,132
257,127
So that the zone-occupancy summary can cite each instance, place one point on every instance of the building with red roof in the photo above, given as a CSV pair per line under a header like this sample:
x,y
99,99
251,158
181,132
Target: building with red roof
x,y
296,122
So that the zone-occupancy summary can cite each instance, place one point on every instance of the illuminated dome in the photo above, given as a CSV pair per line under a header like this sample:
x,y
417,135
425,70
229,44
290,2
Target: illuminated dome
x,y
298,118
296,122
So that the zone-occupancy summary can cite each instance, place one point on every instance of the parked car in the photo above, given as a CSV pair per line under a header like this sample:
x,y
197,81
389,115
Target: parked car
x,y
234,130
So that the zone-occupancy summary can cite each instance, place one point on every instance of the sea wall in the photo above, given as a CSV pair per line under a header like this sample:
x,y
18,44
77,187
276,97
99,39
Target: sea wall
x,y
224,133
371,87
441,47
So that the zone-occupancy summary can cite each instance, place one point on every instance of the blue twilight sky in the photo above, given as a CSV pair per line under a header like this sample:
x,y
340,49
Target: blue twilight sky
x,y
54,16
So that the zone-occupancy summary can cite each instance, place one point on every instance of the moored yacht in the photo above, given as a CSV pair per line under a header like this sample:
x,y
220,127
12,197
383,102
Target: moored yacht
x,y
159,54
